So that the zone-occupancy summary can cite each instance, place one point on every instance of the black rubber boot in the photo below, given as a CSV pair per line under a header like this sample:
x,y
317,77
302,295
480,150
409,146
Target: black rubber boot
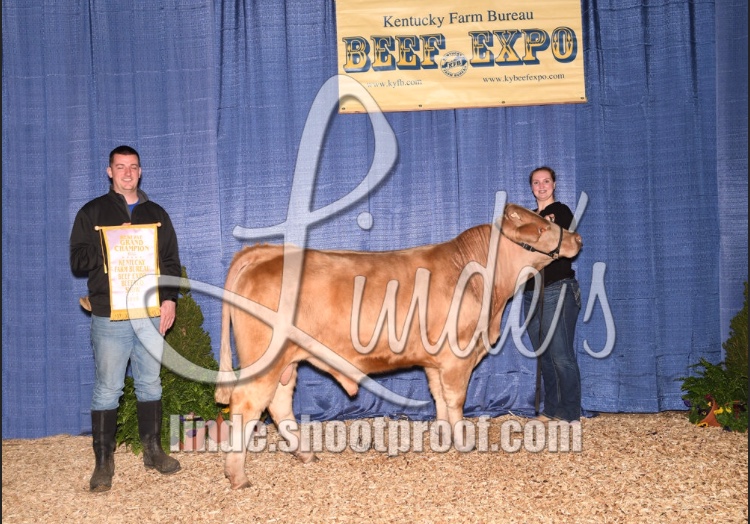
x,y
103,430
149,429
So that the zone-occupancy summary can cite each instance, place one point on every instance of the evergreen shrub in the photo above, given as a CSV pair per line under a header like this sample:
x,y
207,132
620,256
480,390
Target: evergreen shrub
x,y
180,396
722,388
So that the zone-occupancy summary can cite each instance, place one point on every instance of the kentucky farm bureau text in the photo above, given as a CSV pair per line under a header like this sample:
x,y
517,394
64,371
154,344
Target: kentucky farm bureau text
x,y
455,18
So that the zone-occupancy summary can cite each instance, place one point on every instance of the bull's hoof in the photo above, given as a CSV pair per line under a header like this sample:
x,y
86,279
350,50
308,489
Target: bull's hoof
x,y
239,485
306,458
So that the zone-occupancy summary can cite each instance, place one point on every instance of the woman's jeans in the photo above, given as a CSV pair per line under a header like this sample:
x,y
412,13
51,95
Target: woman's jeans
x,y
116,342
560,373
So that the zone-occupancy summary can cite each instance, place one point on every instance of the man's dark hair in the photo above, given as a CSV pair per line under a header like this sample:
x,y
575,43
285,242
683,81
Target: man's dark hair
x,y
124,150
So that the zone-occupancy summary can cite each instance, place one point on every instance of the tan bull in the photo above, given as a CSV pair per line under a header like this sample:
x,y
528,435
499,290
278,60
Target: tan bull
x,y
345,312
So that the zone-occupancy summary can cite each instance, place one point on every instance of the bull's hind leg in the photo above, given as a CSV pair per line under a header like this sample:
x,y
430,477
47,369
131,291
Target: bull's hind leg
x,y
282,414
248,400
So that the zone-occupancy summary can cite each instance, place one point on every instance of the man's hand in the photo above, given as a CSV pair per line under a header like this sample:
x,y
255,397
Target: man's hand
x,y
168,312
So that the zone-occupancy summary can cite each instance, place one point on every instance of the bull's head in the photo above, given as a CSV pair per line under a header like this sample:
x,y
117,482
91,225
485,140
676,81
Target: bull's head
x,y
535,233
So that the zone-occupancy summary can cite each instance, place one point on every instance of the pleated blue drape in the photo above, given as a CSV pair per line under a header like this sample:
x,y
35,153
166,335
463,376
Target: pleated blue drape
x,y
215,96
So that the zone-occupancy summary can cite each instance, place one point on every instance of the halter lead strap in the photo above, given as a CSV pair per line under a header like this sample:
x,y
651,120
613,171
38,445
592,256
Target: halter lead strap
x,y
555,253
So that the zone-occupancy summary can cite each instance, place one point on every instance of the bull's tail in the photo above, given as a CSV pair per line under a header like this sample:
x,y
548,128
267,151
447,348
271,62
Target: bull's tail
x,y
241,261
224,389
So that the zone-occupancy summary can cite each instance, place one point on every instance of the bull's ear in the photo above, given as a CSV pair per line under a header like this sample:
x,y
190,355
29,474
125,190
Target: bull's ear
x,y
510,220
512,212
521,225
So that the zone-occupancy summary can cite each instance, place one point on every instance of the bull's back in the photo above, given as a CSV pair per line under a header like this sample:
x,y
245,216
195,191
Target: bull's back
x,y
326,295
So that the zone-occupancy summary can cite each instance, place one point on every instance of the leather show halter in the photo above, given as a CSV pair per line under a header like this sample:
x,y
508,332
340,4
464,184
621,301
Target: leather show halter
x,y
555,253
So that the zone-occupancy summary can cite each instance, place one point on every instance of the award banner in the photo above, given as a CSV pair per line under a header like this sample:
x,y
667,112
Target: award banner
x,y
132,253
441,54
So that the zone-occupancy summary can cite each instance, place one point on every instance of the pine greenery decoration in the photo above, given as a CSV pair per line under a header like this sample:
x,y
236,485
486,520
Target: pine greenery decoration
x,y
180,396
723,387
736,344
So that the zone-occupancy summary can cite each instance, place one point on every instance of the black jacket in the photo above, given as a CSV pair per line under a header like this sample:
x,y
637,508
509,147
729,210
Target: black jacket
x,y
86,253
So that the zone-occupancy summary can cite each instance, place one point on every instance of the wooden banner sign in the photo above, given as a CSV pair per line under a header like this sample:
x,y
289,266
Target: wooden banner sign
x,y
442,54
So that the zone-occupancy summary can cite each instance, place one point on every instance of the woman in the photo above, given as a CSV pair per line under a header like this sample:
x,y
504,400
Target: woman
x,y
554,340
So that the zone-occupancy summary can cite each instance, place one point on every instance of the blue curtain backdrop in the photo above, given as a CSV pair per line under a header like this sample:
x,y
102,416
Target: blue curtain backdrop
x,y
215,96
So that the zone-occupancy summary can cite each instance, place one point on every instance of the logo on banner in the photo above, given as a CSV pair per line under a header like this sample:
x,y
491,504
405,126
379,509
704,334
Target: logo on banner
x,y
132,267
454,64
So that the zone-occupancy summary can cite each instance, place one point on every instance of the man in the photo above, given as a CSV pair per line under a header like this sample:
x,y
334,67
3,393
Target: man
x,y
135,340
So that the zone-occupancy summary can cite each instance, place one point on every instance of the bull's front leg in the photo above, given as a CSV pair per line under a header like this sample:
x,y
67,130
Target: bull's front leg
x,y
436,389
455,382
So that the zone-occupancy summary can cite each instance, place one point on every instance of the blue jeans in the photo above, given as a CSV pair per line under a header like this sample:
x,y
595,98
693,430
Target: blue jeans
x,y
116,342
560,374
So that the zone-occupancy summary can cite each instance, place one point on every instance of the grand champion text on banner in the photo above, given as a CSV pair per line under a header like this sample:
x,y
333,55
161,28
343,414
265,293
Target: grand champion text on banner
x,y
442,54
132,264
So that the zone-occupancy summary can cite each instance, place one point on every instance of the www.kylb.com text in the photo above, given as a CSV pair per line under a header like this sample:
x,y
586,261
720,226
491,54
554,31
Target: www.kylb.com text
x,y
382,435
